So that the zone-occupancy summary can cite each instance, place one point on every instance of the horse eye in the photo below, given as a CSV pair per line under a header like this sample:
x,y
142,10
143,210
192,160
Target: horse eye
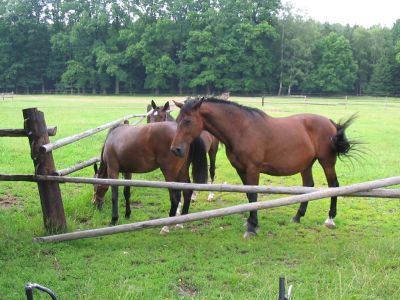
x,y
187,122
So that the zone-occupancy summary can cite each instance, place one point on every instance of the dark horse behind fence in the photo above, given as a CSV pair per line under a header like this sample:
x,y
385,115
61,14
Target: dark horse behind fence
x,y
141,149
257,143
161,114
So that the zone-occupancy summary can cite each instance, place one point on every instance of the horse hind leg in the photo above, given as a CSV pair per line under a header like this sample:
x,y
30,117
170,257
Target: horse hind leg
x,y
331,177
127,196
212,156
308,180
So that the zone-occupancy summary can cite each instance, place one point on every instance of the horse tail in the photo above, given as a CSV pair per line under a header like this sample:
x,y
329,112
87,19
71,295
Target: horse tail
x,y
198,159
341,144
102,171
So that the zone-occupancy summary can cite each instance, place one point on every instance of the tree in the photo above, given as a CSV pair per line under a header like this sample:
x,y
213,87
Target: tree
x,y
299,38
335,70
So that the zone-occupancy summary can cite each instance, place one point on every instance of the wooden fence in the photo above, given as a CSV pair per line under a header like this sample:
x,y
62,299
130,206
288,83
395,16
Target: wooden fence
x,y
48,179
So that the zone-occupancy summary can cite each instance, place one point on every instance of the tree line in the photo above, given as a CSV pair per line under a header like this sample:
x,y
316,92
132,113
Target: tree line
x,y
189,46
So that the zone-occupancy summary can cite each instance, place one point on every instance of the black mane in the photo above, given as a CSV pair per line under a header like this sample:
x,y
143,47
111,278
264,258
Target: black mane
x,y
189,105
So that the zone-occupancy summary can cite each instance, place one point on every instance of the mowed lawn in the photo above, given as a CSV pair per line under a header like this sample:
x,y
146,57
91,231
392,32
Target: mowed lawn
x,y
207,259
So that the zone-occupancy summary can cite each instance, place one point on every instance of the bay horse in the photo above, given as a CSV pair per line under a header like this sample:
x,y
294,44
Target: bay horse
x,y
141,149
161,114
258,143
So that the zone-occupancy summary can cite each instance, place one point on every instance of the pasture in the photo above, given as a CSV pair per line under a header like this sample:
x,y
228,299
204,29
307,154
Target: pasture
x,y
207,259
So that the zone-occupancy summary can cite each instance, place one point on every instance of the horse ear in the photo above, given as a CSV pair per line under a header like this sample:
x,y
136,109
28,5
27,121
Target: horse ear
x,y
95,168
166,106
153,104
198,103
178,104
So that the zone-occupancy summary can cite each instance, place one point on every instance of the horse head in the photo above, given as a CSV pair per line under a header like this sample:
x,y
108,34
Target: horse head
x,y
190,125
159,114
98,189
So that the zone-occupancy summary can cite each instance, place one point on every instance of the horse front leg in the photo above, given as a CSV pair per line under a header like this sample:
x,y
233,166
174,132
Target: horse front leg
x,y
175,198
251,178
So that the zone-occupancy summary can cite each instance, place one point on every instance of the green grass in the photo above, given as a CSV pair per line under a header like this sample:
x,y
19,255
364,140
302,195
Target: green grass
x,y
207,259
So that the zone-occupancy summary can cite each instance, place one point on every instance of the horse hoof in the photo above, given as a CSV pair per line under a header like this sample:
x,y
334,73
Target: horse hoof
x,y
128,216
296,219
210,197
164,230
249,234
329,223
179,226
98,205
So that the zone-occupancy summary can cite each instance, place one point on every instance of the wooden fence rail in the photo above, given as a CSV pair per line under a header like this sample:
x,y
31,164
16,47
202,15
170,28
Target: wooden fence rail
x,y
6,132
68,140
78,166
339,191
381,193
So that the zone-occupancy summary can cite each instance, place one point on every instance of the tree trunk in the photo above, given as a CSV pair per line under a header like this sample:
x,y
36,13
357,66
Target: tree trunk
x,y
116,85
281,75
43,87
289,90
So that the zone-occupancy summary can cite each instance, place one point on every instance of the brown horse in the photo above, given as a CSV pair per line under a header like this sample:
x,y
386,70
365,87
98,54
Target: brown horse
x,y
257,143
141,149
161,114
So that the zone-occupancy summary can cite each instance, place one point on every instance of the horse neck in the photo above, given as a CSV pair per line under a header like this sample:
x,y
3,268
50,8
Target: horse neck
x,y
225,122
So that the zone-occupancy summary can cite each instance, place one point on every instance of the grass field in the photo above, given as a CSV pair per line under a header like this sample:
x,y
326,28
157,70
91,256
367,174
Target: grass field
x,y
207,259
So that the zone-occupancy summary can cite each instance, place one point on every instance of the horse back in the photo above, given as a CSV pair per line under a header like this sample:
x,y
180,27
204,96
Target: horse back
x,y
286,146
140,149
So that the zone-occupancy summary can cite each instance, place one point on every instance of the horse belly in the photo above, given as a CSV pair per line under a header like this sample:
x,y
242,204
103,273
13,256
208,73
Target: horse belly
x,y
289,160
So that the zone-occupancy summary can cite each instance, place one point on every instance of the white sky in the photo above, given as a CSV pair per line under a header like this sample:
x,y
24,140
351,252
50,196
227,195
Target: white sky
x,y
361,12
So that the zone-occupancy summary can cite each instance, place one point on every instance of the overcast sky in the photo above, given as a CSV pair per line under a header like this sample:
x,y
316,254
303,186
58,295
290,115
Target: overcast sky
x,y
361,12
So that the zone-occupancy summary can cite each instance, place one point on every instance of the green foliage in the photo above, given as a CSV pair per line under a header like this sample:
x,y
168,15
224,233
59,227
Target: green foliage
x,y
335,70
189,46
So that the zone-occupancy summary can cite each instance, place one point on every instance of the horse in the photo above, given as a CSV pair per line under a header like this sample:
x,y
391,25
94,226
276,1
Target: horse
x,y
258,143
161,114
141,149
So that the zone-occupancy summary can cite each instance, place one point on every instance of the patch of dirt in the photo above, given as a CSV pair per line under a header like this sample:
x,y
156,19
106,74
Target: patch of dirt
x,y
186,289
137,204
8,201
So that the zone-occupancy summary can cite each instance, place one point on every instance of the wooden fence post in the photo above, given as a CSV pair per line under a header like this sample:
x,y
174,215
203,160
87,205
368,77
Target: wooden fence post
x,y
50,194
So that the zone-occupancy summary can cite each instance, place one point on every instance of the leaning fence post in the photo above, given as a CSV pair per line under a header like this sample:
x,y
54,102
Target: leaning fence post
x,y
50,194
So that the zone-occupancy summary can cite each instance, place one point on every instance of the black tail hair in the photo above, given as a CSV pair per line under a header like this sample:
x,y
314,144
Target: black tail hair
x,y
342,145
198,159
102,170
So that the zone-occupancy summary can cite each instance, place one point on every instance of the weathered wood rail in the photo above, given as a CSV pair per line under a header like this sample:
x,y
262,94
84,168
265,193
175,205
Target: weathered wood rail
x,y
74,138
51,131
370,193
329,192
